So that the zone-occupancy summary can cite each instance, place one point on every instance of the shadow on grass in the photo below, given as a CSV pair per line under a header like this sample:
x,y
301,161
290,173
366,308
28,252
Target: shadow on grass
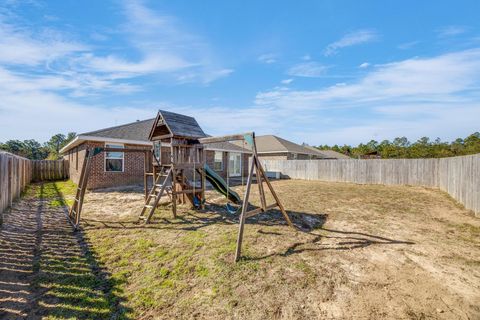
x,y
341,240
52,270
308,223
214,214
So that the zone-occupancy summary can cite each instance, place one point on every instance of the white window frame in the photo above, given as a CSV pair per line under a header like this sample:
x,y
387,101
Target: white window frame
x,y
108,145
221,162
235,154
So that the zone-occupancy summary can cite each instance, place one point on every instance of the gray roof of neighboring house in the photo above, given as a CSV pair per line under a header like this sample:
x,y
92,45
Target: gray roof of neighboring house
x,y
138,131
227,146
273,144
329,154
179,124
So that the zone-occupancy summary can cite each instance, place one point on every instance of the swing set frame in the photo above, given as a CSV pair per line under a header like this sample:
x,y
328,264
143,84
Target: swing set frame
x,y
261,177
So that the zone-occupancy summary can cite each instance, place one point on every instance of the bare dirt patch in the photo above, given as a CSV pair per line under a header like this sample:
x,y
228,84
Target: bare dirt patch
x,y
360,252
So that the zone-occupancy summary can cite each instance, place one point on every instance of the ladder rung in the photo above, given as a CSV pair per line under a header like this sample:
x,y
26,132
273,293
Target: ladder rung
x,y
142,218
148,206
159,185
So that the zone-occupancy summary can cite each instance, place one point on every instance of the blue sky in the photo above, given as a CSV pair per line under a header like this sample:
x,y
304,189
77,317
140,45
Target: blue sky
x,y
321,72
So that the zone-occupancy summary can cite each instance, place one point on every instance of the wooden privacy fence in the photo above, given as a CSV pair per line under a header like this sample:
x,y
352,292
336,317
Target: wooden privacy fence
x,y
49,170
17,172
459,176
15,175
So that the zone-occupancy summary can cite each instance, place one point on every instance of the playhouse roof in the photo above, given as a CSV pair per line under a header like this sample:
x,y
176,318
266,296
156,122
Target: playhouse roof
x,y
175,124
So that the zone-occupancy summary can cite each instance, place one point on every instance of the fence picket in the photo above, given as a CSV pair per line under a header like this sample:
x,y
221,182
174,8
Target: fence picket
x,y
16,173
458,176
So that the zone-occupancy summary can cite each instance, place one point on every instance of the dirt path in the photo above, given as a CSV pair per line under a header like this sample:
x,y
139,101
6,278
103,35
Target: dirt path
x,y
46,269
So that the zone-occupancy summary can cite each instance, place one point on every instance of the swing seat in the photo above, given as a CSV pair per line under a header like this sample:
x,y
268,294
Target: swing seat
x,y
196,202
232,209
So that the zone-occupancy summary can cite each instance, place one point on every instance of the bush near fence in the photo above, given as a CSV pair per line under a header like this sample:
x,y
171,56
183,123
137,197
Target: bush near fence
x,y
17,172
458,176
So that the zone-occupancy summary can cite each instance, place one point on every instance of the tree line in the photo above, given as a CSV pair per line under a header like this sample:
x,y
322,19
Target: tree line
x,y
402,148
34,150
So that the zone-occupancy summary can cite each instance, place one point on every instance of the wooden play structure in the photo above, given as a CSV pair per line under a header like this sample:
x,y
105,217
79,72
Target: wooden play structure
x,y
177,175
182,172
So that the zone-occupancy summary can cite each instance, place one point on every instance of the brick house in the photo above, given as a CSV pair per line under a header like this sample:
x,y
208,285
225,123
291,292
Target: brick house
x,y
110,169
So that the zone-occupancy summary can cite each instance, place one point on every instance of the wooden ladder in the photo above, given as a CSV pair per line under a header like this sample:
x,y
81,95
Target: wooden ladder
x,y
155,195
76,209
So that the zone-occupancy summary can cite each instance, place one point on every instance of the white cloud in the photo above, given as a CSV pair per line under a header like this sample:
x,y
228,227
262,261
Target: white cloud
x,y
364,65
21,46
51,83
408,45
286,81
451,31
413,97
164,46
307,69
267,58
43,112
351,39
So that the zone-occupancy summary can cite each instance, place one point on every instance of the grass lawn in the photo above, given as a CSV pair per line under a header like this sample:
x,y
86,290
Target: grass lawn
x,y
358,252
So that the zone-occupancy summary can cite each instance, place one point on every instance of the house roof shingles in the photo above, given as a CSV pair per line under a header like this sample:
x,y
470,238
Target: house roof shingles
x,y
137,131
181,125
272,144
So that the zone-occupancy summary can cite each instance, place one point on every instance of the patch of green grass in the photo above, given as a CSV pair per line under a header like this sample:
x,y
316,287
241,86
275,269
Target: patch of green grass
x,y
56,192
66,273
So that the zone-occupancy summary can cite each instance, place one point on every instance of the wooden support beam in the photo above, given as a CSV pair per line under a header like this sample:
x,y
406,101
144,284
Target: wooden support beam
x,y
145,173
123,150
187,191
274,194
226,138
244,211
254,212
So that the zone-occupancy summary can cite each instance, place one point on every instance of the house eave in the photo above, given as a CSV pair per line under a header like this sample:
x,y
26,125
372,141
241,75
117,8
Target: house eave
x,y
83,138
228,150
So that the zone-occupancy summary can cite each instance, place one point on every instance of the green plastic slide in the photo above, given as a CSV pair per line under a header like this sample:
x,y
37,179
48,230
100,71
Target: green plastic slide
x,y
220,185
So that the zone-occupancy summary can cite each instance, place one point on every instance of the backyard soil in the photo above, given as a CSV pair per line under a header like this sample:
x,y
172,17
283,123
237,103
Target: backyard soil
x,y
357,252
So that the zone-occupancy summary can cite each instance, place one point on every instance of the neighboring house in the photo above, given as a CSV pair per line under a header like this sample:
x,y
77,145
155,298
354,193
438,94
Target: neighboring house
x,y
329,154
118,168
273,147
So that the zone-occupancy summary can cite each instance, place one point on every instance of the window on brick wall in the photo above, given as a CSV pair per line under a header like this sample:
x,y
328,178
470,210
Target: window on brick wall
x,y
218,161
114,160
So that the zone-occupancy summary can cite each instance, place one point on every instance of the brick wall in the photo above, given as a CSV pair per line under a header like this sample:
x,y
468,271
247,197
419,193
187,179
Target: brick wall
x,y
99,178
